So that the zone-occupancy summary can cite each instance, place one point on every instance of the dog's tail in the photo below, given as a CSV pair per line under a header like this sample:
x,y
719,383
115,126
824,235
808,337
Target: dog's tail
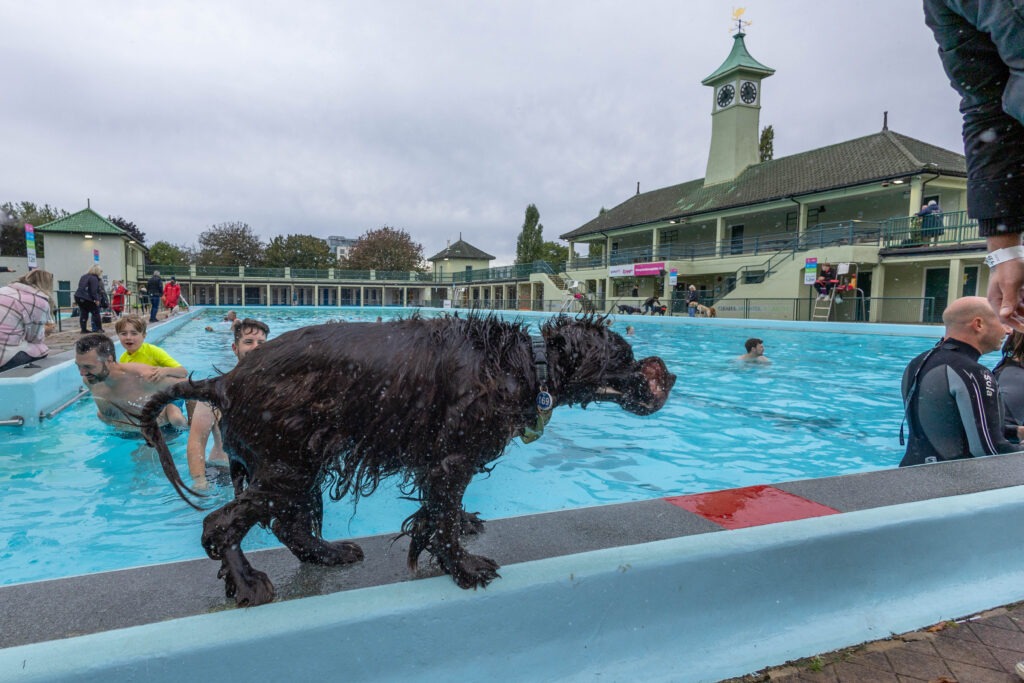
x,y
208,390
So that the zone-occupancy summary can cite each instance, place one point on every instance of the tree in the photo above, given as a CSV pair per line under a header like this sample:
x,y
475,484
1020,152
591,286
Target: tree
x,y
386,248
129,227
299,251
167,254
530,245
14,216
766,147
230,244
556,255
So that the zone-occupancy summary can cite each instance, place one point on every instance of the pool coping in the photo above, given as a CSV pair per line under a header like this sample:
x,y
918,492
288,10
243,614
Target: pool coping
x,y
898,535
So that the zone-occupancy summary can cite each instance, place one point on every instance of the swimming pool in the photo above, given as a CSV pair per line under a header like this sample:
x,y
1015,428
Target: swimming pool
x,y
81,499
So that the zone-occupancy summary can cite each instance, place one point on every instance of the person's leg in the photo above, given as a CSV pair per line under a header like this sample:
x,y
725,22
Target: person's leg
x,y
19,359
155,306
97,322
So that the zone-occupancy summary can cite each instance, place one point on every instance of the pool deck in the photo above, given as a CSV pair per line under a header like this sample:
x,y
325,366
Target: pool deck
x,y
691,588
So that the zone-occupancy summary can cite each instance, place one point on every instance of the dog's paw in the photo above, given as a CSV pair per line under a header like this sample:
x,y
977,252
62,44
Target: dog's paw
x,y
474,571
340,552
470,523
256,590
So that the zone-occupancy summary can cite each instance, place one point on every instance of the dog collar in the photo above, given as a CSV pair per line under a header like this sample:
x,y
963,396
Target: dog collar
x,y
545,403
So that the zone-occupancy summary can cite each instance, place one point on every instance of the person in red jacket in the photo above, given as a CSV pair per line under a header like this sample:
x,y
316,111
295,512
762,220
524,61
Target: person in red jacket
x,y
172,292
118,298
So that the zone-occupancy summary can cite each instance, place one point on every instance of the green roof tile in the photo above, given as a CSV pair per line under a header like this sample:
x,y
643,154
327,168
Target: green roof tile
x,y
868,159
460,249
739,59
83,222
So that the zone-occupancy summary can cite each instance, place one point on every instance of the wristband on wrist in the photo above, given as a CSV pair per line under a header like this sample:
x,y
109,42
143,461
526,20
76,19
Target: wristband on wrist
x,y
1005,254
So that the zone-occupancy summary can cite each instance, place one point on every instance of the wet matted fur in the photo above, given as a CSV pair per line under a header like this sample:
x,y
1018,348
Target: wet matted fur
x,y
339,407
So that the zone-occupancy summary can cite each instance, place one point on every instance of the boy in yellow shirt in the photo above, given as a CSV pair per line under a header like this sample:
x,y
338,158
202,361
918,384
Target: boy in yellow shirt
x,y
131,331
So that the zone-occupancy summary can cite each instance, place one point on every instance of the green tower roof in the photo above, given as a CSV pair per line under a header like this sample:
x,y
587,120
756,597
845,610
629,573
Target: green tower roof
x,y
739,59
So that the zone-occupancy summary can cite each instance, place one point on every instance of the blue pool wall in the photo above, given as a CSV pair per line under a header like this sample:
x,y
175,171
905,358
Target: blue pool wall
x,y
697,608
32,396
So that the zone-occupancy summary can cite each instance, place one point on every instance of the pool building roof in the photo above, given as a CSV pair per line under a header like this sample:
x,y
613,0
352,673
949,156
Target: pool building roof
x,y
869,159
83,222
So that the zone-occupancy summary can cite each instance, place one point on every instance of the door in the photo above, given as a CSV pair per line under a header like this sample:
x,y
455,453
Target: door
x,y
936,290
970,281
736,240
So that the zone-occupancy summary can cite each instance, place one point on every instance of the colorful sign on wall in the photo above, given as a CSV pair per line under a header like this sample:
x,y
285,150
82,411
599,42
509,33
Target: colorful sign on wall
x,y
810,271
30,246
96,255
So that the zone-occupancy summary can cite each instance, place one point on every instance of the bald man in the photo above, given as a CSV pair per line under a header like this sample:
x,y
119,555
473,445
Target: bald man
x,y
953,407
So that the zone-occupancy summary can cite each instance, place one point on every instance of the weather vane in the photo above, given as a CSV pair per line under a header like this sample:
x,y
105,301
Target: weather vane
x,y
737,14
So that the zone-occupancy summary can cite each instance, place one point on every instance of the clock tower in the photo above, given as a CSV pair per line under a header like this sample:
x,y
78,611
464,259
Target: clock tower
x,y
735,113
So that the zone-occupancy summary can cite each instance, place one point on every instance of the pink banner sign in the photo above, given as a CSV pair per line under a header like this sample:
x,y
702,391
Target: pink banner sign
x,y
644,269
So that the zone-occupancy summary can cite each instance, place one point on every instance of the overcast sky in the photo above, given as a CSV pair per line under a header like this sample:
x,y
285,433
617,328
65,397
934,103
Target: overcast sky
x,y
440,118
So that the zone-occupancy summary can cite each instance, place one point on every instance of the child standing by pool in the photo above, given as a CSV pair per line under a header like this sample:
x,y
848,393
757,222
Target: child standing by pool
x,y
131,330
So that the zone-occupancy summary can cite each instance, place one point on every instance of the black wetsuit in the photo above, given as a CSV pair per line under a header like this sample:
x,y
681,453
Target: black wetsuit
x,y
1010,376
955,411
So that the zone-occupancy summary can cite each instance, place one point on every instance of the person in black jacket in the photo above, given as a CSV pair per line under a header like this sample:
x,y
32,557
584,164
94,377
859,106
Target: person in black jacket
x,y
90,297
155,289
980,48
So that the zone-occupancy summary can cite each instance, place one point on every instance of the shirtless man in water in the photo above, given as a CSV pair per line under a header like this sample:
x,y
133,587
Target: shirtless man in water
x,y
122,389
249,335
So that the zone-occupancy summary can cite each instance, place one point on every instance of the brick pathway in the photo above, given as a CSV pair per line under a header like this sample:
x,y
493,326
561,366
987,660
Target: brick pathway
x,y
979,649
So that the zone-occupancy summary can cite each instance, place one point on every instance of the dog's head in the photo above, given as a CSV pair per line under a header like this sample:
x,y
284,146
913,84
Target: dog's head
x,y
596,364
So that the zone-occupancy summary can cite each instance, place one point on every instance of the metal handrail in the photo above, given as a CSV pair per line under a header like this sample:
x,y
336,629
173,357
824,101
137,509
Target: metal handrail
x,y
82,391
16,421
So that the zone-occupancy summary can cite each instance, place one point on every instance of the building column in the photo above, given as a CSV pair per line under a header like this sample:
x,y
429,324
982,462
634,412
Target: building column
x,y
956,280
916,195
801,220
316,294
269,300
362,296
720,236
216,294
655,238
877,292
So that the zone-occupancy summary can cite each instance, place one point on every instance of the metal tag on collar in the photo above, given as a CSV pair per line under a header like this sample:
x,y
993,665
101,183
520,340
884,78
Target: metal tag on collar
x,y
544,401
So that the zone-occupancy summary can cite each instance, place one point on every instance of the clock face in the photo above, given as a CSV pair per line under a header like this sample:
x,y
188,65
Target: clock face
x,y
748,92
725,95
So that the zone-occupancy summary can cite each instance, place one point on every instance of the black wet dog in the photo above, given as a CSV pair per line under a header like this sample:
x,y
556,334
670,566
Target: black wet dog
x,y
626,308
339,407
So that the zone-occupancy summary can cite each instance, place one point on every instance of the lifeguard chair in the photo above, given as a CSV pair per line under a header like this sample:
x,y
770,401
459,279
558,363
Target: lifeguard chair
x,y
844,284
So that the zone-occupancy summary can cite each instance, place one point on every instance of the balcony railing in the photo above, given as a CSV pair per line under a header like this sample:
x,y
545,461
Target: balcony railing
x,y
502,273
898,232
946,228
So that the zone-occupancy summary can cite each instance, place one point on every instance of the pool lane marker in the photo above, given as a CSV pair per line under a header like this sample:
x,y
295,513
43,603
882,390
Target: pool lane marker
x,y
750,506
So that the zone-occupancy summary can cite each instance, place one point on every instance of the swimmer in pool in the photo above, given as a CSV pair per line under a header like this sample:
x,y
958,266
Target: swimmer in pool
x,y
755,351
229,323
249,335
122,389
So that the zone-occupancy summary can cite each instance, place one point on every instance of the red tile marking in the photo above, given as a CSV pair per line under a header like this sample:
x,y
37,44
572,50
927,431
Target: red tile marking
x,y
750,506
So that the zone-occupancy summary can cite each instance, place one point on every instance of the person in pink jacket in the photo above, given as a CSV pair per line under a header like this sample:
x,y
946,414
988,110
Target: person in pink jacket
x,y
25,314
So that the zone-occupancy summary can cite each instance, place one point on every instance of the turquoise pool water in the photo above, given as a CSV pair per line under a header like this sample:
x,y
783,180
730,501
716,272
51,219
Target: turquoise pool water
x,y
79,498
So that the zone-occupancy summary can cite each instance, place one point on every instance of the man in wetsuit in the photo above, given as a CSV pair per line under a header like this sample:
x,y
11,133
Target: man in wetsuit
x,y
952,402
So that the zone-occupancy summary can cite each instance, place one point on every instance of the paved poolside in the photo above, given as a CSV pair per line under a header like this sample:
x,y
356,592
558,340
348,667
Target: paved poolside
x,y
760,553
982,648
